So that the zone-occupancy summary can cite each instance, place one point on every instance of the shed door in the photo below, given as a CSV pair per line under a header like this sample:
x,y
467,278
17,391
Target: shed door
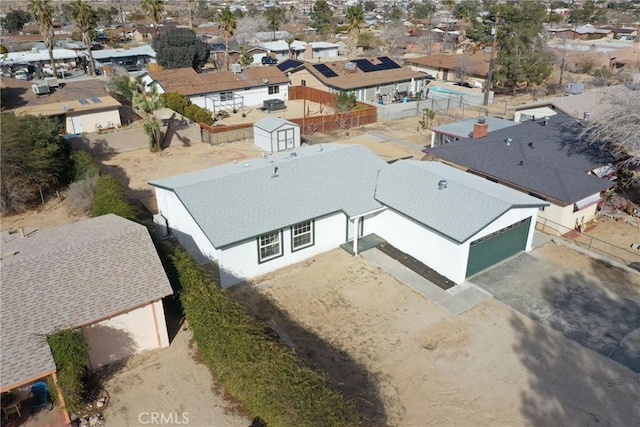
x,y
497,246
285,139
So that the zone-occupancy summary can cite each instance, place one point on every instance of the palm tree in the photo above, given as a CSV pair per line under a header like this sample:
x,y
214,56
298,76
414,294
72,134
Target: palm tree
x,y
355,19
154,8
289,40
85,18
228,23
43,12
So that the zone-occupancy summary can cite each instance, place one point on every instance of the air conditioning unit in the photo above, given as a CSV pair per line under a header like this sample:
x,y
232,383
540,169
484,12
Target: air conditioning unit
x,y
236,68
350,66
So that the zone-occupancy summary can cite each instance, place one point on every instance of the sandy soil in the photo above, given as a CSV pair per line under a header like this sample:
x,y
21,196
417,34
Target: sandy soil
x,y
407,362
173,383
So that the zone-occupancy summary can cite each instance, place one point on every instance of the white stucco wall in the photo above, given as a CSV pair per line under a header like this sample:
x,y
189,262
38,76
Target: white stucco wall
x,y
88,122
563,219
124,335
444,255
240,262
251,98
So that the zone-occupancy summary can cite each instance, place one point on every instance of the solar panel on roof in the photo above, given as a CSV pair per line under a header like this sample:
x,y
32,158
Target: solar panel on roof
x,y
83,101
387,63
289,63
365,65
325,71
96,100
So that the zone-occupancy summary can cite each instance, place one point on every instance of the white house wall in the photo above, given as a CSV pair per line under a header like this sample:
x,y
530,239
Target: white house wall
x,y
240,262
444,255
184,227
89,121
252,97
124,335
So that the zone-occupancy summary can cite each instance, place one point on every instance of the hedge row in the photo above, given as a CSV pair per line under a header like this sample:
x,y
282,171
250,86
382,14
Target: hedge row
x,y
267,377
109,198
69,350
83,166
182,105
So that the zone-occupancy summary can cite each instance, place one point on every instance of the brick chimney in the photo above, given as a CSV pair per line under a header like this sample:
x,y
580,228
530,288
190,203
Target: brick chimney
x,y
308,51
480,128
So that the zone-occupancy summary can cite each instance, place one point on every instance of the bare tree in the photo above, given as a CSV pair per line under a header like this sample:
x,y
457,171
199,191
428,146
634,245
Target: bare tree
x,y
248,26
462,67
396,38
618,130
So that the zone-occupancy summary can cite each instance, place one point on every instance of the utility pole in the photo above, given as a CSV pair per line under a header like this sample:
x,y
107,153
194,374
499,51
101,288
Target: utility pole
x,y
494,45
124,34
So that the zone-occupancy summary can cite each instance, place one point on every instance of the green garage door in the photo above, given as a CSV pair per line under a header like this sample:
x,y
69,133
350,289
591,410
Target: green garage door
x,y
497,246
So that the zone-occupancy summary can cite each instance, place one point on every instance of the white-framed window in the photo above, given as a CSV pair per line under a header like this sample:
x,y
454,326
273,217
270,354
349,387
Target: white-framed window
x,y
226,96
302,235
274,89
269,246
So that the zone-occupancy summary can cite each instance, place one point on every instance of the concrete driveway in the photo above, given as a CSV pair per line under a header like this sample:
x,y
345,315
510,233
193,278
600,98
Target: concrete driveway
x,y
592,303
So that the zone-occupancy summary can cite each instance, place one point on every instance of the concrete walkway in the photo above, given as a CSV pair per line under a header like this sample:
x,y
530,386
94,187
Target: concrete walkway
x,y
455,300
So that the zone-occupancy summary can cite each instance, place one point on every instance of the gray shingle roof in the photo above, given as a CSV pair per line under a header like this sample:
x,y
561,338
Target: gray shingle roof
x,y
555,166
270,124
67,277
240,201
464,128
467,204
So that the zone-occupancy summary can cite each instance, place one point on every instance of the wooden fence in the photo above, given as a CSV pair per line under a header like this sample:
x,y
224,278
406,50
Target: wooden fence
x,y
364,114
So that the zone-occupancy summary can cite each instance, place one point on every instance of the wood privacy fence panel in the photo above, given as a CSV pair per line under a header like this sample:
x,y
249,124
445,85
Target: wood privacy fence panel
x,y
311,94
216,135
339,121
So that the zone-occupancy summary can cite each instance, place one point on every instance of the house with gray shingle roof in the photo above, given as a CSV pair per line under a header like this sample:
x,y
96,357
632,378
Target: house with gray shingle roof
x,y
256,216
543,158
101,276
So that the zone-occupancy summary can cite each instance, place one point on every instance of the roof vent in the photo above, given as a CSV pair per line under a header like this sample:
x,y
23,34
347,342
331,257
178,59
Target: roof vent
x,y
274,172
586,116
442,184
545,120
530,145
482,120
508,141
265,80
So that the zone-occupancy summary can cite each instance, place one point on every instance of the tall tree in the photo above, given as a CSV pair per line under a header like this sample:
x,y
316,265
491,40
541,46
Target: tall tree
x,y
292,14
14,20
423,10
85,18
289,41
180,48
104,16
521,56
275,17
354,19
228,23
246,58
43,12
34,158
154,9
190,12
322,17
148,101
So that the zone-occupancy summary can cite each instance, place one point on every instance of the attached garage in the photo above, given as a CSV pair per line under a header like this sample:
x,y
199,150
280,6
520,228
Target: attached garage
x,y
495,247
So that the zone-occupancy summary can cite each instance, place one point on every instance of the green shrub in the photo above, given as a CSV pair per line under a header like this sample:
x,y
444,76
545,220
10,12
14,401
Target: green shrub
x,y
109,198
267,377
69,350
83,166
183,106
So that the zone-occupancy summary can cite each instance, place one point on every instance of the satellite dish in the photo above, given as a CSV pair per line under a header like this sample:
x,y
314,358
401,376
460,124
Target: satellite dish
x,y
265,80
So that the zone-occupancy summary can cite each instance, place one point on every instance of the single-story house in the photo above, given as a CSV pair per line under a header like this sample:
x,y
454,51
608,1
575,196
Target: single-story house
x,y
471,68
368,79
63,58
101,276
139,55
258,215
586,105
225,90
83,106
274,134
471,128
543,158
583,32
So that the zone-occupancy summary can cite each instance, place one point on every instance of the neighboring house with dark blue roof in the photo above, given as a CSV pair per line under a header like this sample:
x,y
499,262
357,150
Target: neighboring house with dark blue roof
x,y
259,215
543,158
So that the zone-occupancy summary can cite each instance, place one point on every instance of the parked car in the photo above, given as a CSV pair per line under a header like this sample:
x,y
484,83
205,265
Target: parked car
x,y
22,74
267,60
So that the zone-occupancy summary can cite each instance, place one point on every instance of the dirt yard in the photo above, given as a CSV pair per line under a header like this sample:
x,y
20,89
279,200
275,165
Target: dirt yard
x,y
407,362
